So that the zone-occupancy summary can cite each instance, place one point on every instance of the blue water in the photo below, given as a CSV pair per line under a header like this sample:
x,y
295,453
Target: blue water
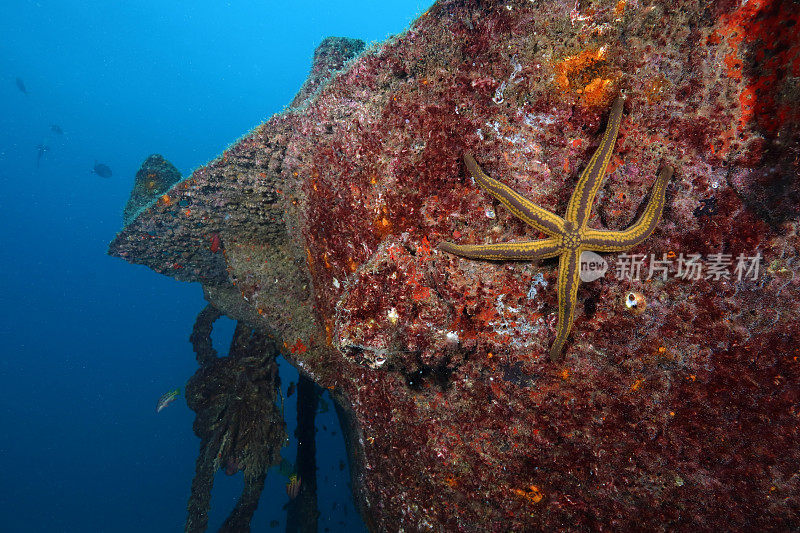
x,y
88,342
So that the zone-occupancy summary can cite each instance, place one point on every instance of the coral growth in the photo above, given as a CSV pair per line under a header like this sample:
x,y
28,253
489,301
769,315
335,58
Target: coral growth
x,y
155,177
681,416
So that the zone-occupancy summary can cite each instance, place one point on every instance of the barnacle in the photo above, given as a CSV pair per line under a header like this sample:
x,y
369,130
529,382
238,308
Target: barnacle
x,y
635,302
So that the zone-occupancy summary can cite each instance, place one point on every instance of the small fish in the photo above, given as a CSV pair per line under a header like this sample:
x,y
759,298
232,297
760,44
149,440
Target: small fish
x,y
167,399
293,487
215,243
41,150
104,171
21,86
274,523
290,390
55,128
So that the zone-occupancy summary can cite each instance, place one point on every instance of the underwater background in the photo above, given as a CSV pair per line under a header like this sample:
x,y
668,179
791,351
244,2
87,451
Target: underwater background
x,y
89,343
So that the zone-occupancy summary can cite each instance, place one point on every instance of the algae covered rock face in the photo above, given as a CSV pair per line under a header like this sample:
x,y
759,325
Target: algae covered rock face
x,y
321,228
154,178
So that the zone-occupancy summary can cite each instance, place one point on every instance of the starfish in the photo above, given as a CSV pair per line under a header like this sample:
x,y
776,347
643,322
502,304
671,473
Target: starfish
x,y
568,237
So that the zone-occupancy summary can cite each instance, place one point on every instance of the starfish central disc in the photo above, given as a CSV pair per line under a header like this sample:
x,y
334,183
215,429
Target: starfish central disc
x,y
571,239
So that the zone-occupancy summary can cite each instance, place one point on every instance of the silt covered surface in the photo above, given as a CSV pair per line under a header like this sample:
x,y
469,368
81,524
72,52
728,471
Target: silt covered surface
x,y
321,225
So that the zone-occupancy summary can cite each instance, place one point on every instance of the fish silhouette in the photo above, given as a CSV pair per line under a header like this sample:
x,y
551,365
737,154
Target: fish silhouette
x,y
21,86
41,150
104,171
55,128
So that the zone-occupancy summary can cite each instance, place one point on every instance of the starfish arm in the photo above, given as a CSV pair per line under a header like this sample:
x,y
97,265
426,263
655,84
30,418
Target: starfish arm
x,y
515,251
619,241
580,203
522,208
568,281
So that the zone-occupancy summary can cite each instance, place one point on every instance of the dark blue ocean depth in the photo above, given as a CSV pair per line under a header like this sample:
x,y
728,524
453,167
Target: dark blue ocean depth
x,y
88,343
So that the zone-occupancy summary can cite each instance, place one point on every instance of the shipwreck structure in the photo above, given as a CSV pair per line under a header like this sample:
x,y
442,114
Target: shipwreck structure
x,y
676,402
